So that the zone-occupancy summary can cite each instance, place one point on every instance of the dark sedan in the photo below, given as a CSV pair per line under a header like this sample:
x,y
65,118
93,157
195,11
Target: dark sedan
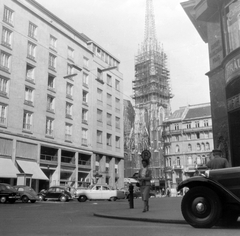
x,y
57,193
8,193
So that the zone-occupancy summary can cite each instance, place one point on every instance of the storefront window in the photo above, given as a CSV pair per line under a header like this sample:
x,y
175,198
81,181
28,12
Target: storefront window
x,y
232,25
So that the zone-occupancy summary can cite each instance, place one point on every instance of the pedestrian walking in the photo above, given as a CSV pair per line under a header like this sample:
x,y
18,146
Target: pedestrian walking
x,y
218,161
144,177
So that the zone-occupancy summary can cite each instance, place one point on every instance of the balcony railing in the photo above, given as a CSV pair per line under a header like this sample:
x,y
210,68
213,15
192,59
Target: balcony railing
x,y
51,158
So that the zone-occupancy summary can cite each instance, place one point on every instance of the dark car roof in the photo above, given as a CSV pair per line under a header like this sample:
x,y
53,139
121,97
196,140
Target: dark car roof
x,y
5,184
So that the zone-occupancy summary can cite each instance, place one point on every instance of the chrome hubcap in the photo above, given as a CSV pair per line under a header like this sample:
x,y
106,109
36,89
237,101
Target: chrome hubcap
x,y
200,207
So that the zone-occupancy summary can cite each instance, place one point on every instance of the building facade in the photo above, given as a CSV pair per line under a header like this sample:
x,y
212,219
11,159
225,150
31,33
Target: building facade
x,y
61,102
217,22
188,142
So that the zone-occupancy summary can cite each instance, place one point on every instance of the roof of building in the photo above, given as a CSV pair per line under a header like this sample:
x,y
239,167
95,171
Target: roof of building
x,y
197,112
177,114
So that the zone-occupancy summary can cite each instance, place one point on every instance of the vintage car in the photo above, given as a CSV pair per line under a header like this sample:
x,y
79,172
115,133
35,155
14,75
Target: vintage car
x,y
8,193
212,198
26,193
99,192
56,193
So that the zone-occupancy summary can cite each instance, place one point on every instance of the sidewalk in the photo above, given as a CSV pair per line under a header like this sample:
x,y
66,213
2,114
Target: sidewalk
x,y
163,210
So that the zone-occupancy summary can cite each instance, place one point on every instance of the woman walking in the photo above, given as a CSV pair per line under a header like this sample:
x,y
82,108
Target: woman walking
x,y
144,177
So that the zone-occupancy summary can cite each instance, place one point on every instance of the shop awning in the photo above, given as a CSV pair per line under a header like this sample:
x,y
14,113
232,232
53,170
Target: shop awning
x,y
33,168
7,169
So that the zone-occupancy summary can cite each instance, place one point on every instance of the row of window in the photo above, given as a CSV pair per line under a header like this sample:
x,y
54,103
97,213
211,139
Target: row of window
x,y
190,125
104,56
190,136
199,160
199,147
28,127
109,138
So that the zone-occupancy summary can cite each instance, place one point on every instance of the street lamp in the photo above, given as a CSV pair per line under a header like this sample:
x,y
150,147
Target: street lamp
x,y
72,75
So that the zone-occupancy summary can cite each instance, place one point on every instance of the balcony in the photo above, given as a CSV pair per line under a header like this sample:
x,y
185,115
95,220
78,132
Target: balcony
x,y
48,158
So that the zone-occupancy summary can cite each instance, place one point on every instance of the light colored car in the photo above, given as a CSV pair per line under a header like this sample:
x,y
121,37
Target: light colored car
x,y
99,192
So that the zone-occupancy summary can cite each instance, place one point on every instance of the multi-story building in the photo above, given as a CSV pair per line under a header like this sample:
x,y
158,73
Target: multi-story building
x,y
188,142
60,99
217,22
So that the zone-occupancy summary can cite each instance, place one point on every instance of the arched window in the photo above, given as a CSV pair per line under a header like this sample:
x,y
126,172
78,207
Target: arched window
x,y
198,147
178,163
177,148
207,146
203,146
189,147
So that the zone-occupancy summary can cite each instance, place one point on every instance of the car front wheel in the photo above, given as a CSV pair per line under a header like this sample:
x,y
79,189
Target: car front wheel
x,y
40,197
3,199
82,198
201,207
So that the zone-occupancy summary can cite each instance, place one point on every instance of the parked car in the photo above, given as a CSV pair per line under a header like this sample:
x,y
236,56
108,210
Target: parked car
x,y
99,192
58,193
8,193
26,193
212,199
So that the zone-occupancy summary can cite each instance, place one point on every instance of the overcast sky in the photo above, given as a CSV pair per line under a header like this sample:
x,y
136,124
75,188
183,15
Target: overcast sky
x,y
118,26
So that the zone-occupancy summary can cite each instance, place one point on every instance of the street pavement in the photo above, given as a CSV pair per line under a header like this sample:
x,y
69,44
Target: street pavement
x,y
162,210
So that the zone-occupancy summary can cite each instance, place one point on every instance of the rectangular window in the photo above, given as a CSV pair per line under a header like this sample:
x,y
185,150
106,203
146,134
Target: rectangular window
x,y
69,110
69,90
85,96
84,115
27,120
99,115
51,82
117,101
109,119
117,122
8,16
7,37
32,30
117,85
109,99
84,136
3,114
53,43
29,96
30,72
85,62
70,69
68,132
99,94
5,61
31,53
109,140
109,80
117,142
50,103
85,79
205,122
52,61
3,86
197,125
99,74
70,53
99,136
188,125
49,126
176,126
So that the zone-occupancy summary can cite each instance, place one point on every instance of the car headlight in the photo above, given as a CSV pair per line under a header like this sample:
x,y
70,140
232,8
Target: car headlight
x,y
207,173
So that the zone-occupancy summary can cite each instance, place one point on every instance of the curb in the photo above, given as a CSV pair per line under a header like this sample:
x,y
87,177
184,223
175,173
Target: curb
x,y
169,221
